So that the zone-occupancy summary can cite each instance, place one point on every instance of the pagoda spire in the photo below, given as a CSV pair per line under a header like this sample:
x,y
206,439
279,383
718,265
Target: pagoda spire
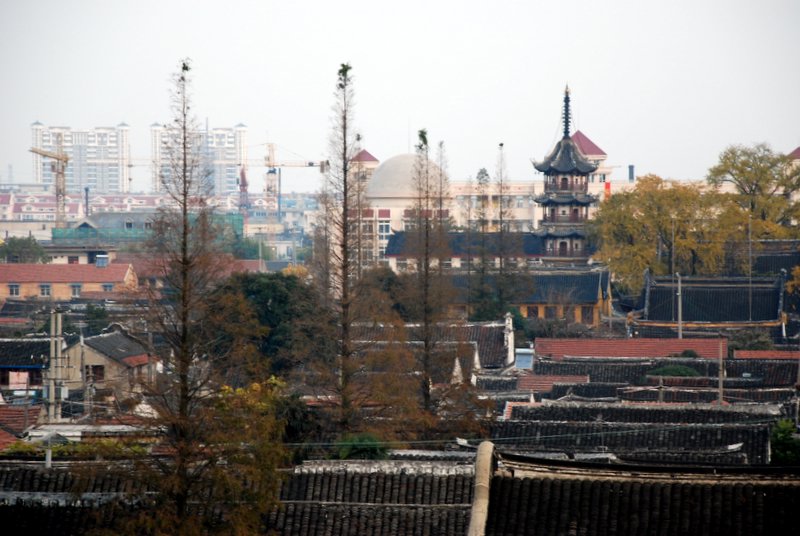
x,y
566,112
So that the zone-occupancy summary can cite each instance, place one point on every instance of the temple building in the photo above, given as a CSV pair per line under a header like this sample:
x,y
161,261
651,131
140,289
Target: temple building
x,y
566,200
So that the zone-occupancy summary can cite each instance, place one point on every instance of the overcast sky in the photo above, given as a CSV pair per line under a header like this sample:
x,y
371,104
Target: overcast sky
x,y
665,85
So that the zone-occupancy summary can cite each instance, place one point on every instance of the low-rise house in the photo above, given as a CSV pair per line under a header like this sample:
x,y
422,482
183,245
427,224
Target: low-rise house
x,y
50,282
22,365
113,360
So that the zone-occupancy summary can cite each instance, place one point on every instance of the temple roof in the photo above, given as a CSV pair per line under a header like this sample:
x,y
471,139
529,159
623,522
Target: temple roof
x,y
566,157
565,199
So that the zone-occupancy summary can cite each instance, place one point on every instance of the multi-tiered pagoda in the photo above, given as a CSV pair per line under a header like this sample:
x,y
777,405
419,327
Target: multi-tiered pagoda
x,y
566,199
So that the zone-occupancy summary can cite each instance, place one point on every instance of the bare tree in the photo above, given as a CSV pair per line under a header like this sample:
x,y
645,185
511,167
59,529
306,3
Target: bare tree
x,y
213,415
341,200
428,248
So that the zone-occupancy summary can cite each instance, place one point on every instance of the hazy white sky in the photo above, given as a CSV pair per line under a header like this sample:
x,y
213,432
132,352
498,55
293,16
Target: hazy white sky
x,y
663,85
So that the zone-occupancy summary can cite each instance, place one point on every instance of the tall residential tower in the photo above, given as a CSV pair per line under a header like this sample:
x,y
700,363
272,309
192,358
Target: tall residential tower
x,y
99,158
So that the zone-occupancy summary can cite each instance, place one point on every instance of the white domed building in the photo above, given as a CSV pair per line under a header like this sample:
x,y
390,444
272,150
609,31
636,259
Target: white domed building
x,y
390,195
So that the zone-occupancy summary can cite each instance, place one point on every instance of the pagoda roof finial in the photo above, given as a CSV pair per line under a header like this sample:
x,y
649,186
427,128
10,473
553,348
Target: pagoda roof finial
x,y
566,112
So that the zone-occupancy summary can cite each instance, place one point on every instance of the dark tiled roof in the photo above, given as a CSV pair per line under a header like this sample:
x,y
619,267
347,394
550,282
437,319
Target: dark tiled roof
x,y
649,413
773,263
462,244
560,348
380,500
24,352
550,287
705,395
619,370
489,337
592,505
624,437
565,199
586,390
768,373
565,158
714,300
116,345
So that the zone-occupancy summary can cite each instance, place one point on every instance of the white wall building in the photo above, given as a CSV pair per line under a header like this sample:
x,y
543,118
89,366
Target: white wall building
x,y
99,158
224,150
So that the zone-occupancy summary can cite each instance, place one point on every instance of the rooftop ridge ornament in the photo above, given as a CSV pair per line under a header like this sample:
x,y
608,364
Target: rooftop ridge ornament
x,y
566,112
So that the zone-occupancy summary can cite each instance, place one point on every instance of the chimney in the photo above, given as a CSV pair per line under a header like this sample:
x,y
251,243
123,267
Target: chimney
x,y
508,336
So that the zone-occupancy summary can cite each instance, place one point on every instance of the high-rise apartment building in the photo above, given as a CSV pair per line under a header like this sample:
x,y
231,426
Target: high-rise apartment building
x,y
98,158
224,151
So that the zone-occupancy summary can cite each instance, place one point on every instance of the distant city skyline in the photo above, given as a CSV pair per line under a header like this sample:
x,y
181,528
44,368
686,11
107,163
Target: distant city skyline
x,y
665,87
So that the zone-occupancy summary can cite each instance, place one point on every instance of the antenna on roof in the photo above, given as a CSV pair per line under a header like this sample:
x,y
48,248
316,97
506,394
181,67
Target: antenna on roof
x,y
566,112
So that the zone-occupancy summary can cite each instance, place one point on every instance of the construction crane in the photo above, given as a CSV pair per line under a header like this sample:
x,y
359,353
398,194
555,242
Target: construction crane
x,y
272,187
59,167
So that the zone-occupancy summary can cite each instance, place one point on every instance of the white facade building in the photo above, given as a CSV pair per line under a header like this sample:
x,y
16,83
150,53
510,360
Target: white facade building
x,y
224,150
99,158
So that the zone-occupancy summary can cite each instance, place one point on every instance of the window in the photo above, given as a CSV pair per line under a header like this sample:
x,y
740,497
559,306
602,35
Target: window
x,y
44,290
550,312
72,259
76,290
129,224
533,311
108,287
95,373
587,314
13,289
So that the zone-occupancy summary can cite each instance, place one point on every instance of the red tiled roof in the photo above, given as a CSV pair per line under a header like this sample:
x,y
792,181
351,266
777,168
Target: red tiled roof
x,y
136,360
510,405
248,265
795,155
560,348
12,418
364,156
62,273
766,354
587,146
544,384
6,440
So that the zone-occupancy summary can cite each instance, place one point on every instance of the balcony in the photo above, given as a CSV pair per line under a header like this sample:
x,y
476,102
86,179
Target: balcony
x,y
565,187
566,219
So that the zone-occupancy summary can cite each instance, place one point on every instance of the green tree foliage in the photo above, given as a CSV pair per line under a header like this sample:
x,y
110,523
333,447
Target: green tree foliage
x,y
22,250
784,443
673,370
750,339
297,328
96,319
764,183
361,447
483,299
668,226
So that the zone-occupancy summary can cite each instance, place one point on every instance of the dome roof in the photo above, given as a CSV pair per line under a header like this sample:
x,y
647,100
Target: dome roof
x,y
395,177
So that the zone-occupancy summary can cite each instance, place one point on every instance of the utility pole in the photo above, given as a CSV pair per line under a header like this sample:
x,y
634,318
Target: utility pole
x,y
54,380
680,307
721,372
